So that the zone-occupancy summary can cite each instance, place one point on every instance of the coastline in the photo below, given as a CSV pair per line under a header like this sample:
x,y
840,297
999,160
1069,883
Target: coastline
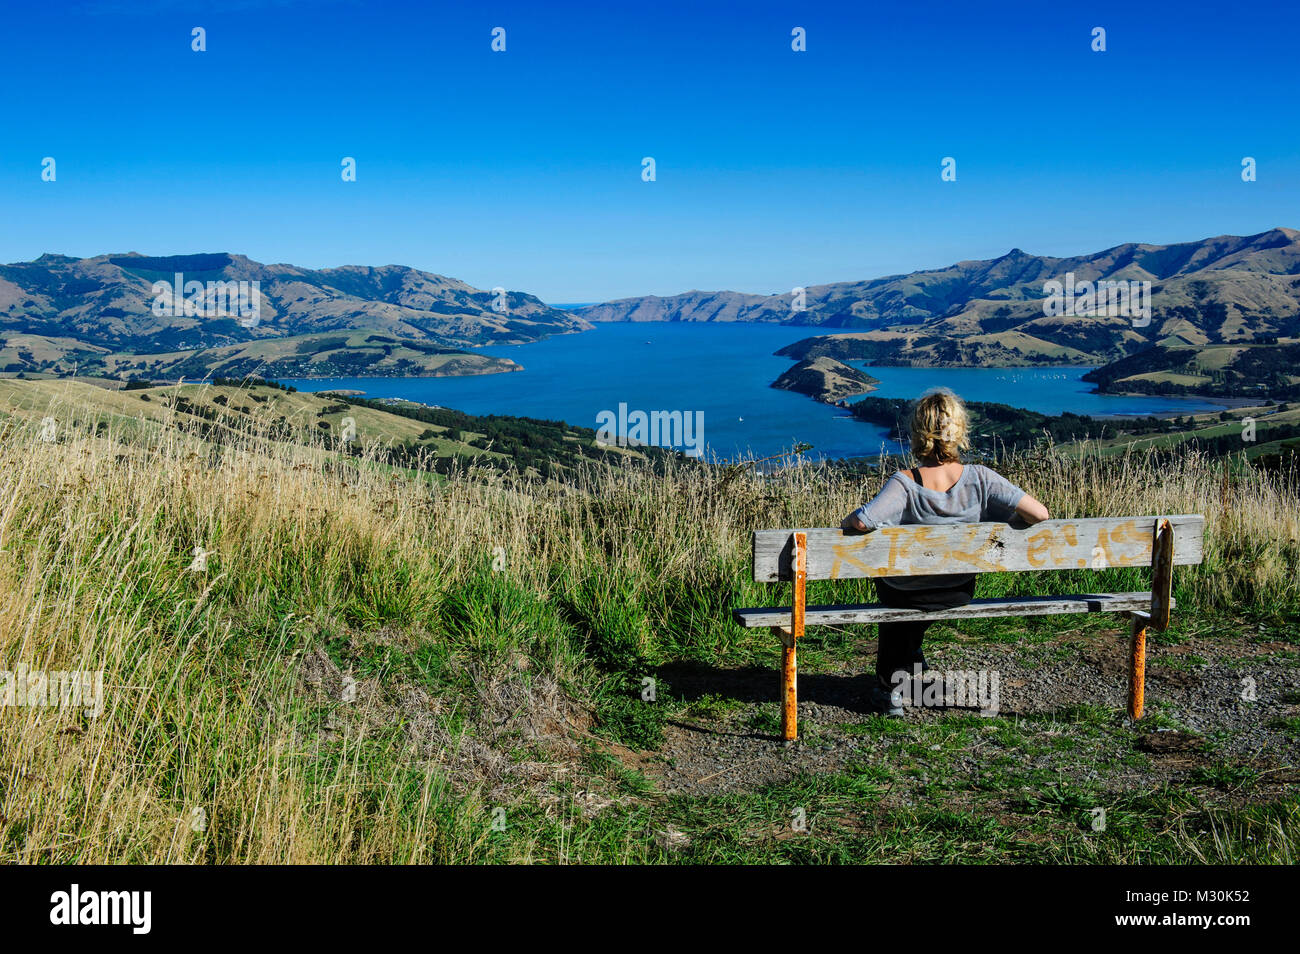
x,y
725,371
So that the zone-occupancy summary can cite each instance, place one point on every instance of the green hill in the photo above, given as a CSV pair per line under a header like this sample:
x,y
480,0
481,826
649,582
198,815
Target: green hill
x,y
1267,368
1264,434
398,433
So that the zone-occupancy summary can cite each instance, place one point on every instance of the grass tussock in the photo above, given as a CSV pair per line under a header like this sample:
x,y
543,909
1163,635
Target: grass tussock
x,y
206,578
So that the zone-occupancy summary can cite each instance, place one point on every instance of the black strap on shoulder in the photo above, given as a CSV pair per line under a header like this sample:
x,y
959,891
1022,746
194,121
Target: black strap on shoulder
x,y
916,475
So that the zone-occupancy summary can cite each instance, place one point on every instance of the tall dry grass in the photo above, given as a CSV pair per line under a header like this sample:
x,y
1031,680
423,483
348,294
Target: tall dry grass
x,y
213,748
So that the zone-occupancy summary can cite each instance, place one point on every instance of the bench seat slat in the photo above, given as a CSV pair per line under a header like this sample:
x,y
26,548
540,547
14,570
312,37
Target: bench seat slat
x,y
831,615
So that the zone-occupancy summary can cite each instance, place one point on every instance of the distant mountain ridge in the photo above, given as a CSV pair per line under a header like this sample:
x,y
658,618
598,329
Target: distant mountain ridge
x,y
58,309
96,315
1223,289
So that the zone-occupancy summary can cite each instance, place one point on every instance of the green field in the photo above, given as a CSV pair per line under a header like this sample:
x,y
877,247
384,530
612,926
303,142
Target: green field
x,y
317,656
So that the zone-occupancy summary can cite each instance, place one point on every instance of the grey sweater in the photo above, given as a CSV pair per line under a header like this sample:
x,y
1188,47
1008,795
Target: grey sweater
x,y
979,494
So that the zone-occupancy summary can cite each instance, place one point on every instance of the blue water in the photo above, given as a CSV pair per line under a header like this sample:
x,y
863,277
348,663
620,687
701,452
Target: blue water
x,y
724,370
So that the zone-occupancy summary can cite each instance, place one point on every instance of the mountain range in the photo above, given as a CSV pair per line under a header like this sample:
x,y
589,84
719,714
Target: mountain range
x,y
1219,307
1224,290
101,314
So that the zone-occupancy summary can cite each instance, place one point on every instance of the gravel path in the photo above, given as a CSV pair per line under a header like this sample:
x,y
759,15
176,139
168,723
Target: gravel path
x,y
1061,709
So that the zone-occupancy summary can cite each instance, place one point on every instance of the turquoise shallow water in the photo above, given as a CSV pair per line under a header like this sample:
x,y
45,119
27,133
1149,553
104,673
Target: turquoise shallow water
x,y
724,372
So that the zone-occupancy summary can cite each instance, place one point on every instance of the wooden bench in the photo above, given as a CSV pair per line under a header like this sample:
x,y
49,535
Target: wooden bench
x,y
924,550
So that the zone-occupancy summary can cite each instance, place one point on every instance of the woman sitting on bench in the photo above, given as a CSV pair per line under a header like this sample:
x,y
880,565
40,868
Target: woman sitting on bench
x,y
940,490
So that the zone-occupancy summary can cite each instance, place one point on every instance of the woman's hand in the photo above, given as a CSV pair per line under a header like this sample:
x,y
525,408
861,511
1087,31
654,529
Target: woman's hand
x,y
851,522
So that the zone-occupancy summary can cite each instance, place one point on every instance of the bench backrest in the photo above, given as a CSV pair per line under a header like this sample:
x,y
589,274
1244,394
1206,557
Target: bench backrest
x,y
926,550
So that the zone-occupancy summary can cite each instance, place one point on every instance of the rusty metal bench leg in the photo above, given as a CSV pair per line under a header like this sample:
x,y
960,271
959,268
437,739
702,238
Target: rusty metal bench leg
x,y
790,638
1137,664
1162,583
789,684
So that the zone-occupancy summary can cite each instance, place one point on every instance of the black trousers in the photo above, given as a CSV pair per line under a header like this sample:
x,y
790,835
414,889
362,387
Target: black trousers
x,y
899,648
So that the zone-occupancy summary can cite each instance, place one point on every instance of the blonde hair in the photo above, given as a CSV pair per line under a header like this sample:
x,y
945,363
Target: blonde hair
x,y
940,427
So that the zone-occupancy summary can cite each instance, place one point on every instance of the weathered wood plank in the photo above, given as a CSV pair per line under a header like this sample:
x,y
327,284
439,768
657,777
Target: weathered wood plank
x,y
926,550
839,615
1162,576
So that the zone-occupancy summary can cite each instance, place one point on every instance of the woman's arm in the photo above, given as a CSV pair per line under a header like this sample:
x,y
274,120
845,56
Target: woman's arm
x,y
885,509
1008,500
1031,510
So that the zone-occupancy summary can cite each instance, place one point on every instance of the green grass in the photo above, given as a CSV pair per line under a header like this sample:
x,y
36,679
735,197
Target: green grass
x,y
516,689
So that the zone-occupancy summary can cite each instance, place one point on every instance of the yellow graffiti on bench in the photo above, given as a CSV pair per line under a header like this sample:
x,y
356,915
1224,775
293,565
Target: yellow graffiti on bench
x,y
1130,533
1051,548
904,540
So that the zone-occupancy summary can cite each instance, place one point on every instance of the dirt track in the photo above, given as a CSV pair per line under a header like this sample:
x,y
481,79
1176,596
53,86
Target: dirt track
x,y
1061,711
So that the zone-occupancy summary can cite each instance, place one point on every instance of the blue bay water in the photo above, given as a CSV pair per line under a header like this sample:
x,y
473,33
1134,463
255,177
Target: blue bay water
x,y
724,371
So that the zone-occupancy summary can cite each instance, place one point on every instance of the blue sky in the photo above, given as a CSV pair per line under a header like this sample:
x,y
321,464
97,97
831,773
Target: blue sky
x,y
523,168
